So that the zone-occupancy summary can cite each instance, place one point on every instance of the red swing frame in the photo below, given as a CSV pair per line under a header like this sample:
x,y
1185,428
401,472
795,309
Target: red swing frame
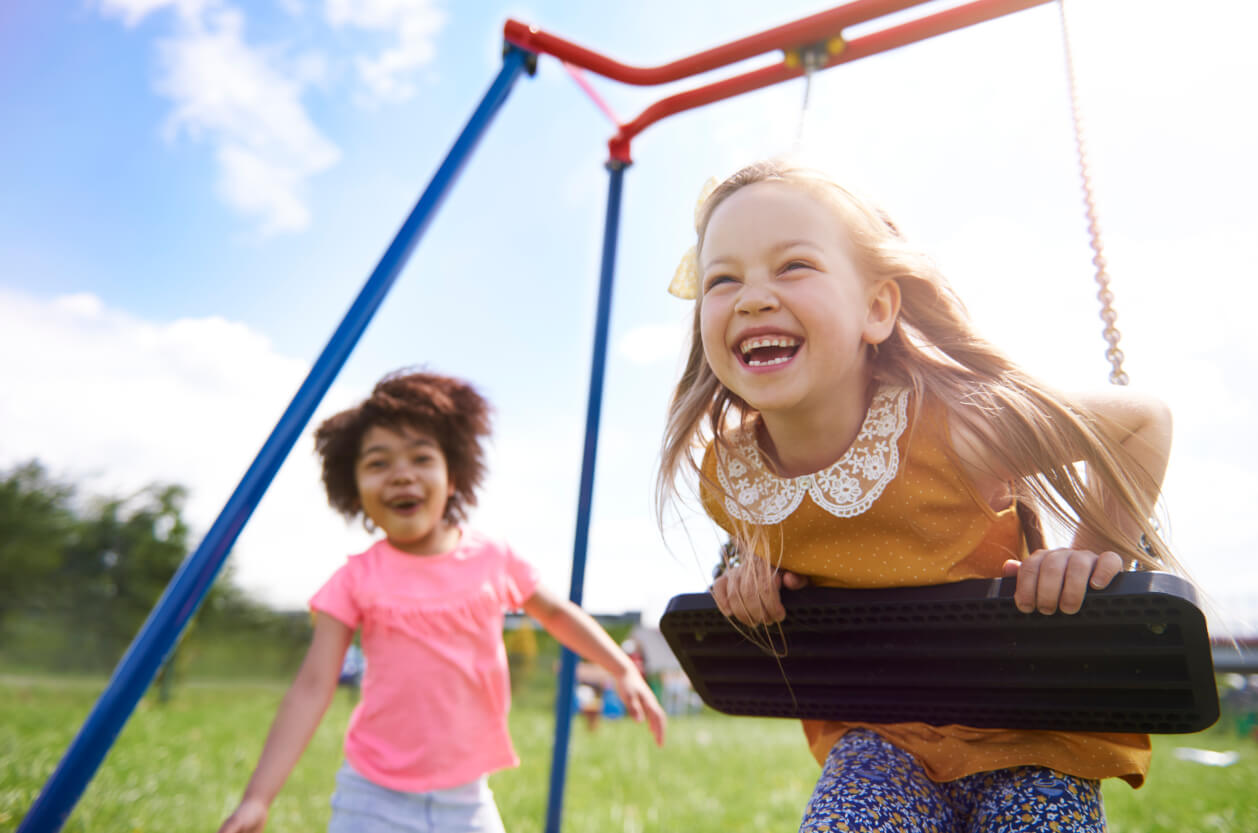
x,y
822,31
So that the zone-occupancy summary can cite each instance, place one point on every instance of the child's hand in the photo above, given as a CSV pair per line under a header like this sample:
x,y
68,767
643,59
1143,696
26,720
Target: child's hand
x,y
250,817
1052,580
751,591
640,702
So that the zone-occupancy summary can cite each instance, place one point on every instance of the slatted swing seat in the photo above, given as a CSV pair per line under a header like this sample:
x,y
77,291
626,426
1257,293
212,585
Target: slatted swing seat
x,y
1135,658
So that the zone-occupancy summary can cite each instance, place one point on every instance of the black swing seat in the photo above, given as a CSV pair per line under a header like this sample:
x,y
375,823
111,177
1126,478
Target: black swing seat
x,y
1135,658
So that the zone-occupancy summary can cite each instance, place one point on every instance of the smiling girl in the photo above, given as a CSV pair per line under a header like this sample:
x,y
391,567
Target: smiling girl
x,y
428,600
849,428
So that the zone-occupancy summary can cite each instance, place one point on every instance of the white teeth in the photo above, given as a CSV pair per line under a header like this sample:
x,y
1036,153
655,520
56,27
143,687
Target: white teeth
x,y
767,341
754,363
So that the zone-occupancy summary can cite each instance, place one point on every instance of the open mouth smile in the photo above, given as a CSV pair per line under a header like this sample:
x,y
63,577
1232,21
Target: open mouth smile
x,y
767,351
404,505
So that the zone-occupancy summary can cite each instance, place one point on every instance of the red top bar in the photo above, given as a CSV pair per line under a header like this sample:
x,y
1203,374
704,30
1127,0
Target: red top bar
x,y
801,33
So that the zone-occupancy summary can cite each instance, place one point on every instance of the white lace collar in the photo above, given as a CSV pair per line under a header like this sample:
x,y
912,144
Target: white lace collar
x,y
845,489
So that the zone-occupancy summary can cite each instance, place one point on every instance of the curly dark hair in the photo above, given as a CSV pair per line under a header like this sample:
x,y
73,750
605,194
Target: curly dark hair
x,y
449,409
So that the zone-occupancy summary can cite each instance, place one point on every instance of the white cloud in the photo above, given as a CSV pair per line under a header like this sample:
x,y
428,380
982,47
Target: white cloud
x,y
415,22
246,100
134,11
241,99
254,184
114,403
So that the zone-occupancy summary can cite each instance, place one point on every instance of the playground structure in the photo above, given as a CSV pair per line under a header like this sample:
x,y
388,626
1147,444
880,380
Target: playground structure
x,y
808,45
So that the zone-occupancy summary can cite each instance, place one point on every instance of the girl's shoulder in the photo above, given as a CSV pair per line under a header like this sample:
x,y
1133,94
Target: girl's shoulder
x,y
475,542
480,551
358,560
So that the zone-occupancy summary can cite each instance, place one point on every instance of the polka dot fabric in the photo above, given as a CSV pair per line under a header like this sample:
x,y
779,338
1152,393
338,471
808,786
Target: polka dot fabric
x,y
869,785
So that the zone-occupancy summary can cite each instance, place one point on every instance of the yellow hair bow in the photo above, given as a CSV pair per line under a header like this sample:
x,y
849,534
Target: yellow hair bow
x,y
685,282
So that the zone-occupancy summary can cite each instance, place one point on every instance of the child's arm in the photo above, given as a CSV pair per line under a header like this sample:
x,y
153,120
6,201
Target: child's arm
x,y
295,722
576,629
1142,425
1051,580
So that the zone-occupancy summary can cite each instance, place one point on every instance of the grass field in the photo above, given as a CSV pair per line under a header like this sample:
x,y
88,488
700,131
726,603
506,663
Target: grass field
x,y
181,766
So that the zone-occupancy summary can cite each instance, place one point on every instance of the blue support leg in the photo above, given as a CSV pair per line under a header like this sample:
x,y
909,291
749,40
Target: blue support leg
x,y
568,664
189,585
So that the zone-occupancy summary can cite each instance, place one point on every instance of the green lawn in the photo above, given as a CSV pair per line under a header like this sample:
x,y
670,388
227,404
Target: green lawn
x,y
181,766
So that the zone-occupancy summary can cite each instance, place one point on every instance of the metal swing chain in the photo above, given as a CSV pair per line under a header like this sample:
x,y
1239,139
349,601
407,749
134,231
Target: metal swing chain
x,y
1104,294
812,58
812,61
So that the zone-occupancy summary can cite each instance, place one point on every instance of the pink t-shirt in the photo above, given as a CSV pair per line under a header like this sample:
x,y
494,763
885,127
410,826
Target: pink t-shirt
x,y
436,693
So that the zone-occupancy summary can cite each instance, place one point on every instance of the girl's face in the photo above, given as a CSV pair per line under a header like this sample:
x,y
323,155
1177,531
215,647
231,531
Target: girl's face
x,y
403,486
784,315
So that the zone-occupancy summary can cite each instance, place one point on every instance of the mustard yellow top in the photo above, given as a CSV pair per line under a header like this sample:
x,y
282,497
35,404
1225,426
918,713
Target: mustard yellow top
x,y
896,511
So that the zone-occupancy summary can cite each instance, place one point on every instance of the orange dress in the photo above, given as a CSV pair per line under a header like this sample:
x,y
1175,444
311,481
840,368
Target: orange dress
x,y
896,511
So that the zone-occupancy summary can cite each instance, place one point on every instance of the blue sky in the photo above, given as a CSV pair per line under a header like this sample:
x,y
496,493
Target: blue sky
x,y
194,191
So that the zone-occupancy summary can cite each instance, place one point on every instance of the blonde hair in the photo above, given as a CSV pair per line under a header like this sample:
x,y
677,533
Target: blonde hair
x,y
935,351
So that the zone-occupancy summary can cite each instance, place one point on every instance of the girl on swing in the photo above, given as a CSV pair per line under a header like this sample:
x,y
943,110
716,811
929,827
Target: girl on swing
x,y
850,428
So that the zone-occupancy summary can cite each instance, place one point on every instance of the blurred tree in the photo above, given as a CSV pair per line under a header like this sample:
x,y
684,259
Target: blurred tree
x,y
37,524
79,577
125,553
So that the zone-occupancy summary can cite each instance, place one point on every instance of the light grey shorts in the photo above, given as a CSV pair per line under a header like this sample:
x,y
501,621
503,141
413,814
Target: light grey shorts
x,y
361,806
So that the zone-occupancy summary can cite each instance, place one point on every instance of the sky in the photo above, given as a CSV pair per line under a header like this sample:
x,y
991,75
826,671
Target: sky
x,y
192,192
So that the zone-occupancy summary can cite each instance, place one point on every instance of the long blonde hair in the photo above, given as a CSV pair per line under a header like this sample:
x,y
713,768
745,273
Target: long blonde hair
x,y
935,351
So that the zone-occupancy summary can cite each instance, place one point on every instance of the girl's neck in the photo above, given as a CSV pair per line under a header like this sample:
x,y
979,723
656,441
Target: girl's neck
x,y
807,442
444,538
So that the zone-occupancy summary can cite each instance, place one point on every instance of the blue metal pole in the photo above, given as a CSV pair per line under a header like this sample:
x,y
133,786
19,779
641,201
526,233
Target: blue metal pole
x,y
568,664
189,585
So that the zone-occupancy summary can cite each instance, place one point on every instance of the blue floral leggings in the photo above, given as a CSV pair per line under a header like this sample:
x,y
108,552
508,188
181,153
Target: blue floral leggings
x,y
869,785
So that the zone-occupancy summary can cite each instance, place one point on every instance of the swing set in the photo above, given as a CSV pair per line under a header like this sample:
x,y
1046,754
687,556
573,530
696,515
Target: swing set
x,y
1140,639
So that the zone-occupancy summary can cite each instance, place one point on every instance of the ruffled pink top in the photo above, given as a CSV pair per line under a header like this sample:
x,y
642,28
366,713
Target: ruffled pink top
x,y
436,692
